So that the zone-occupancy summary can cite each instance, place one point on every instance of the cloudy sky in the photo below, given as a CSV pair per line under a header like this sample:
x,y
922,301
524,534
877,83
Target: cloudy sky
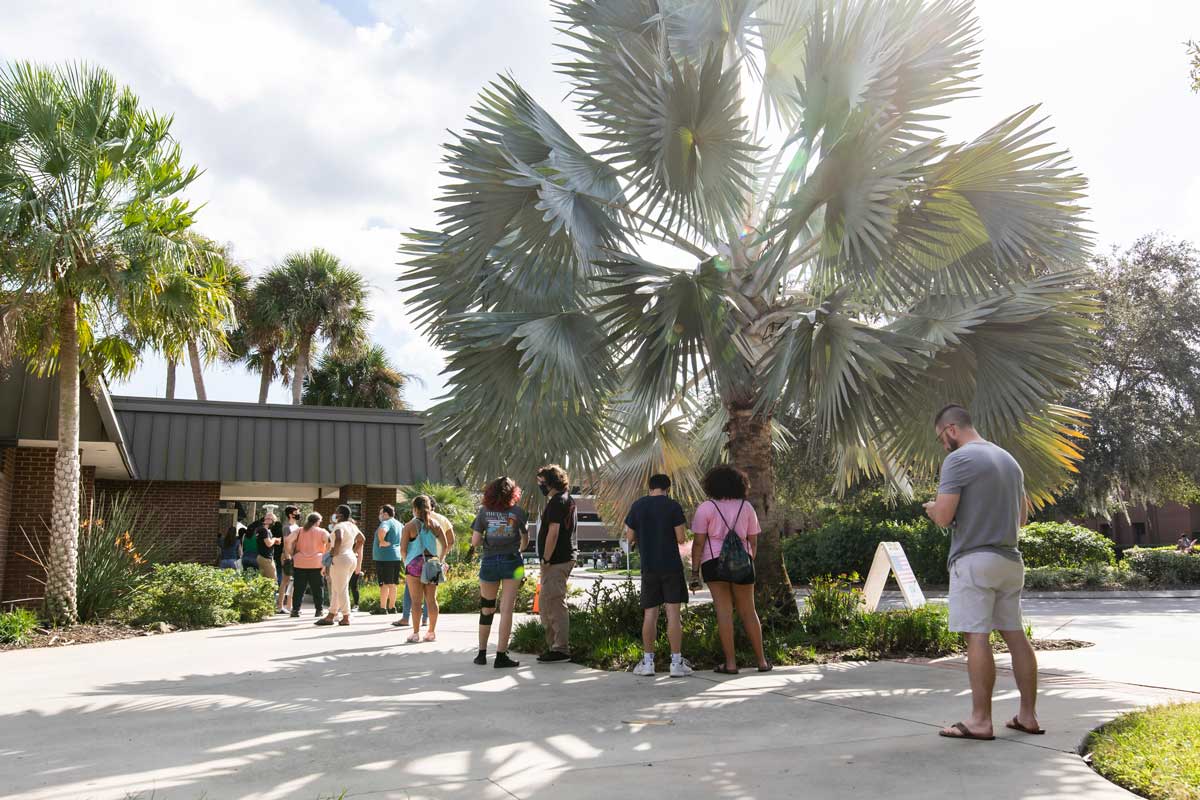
x,y
320,123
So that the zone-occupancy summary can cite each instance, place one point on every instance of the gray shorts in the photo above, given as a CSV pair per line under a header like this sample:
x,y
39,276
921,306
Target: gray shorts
x,y
985,593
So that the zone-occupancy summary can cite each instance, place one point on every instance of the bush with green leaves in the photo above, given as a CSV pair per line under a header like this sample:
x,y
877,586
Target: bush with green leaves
x,y
1061,544
831,606
847,544
1164,566
921,631
198,596
17,625
1092,576
117,547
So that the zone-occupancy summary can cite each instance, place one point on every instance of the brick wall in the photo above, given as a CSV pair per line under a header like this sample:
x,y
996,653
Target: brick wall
x,y
30,502
7,462
187,512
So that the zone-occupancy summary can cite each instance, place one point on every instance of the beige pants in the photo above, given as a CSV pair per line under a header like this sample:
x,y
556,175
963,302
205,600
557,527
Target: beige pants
x,y
266,567
553,604
339,583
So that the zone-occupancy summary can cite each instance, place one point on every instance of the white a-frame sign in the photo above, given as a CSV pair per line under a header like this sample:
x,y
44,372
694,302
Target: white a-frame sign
x,y
890,558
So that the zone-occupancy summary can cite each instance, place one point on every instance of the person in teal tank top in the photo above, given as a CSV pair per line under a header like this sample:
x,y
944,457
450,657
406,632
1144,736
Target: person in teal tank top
x,y
385,550
422,540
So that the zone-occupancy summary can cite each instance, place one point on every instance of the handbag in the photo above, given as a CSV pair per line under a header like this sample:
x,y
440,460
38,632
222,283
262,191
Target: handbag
x,y
733,563
431,570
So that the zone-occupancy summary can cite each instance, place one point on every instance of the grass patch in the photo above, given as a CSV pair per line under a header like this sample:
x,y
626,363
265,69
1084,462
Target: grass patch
x,y
17,626
1155,753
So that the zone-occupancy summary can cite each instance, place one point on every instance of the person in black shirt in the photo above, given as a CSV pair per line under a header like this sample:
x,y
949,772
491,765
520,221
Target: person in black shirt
x,y
655,523
556,549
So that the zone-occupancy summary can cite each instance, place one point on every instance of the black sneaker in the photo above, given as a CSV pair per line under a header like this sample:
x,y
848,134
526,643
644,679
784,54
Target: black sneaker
x,y
392,610
551,656
504,662
481,659
379,612
295,614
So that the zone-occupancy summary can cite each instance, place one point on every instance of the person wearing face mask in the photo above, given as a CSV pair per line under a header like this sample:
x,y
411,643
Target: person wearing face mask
x,y
385,549
556,549
981,494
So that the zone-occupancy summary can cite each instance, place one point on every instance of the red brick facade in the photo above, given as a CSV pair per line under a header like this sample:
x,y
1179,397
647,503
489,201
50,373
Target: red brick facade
x,y
188,510
8,458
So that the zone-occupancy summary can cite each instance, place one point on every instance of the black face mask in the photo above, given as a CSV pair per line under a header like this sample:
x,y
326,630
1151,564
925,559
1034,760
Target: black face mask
x,y
545,490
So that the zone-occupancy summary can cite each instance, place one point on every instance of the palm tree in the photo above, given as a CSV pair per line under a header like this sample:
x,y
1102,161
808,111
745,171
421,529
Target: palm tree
x,y
91,235
820,250
313,296
367,380
259,340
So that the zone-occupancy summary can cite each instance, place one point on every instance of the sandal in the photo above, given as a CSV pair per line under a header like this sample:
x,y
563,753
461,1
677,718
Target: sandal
x,y
769,666
431,637
345,621
723,670
1016,725
414,639
963,733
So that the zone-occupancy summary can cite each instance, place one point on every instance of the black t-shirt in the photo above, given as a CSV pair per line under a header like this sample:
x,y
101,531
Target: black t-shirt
x,y
654,518
561,509
275,551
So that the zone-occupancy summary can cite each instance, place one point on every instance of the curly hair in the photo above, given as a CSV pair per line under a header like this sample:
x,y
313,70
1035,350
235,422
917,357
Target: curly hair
x,y
555,477
726,482
501,494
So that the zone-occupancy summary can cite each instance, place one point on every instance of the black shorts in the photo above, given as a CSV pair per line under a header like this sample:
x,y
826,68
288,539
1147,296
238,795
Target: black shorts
x,y
663,587
708,570
388,571
286,568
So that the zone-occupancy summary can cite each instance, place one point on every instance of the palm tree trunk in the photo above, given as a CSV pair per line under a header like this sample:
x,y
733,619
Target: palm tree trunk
x,y
750,451
301,369
264,382
197,370
171,364
64,515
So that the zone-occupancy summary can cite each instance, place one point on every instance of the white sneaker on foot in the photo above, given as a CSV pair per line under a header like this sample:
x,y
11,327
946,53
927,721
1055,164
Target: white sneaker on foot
x,y
681,670
643,669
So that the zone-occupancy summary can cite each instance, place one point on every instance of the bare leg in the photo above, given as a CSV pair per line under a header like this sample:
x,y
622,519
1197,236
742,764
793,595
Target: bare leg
x,y
1024,666
649,629
508,601
674,628
744,597
488,590
981,669
431,604
415,591
723,603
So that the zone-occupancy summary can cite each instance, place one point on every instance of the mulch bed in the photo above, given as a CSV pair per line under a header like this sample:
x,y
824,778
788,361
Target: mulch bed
x,y
79,634
1055,644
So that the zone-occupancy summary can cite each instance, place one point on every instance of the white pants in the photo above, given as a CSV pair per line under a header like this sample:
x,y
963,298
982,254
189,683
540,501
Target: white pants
x,y
339,583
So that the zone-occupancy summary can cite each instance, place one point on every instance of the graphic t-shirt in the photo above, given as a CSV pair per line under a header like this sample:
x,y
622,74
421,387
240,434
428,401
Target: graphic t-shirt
x,y
392,536
501,530
561,509
713,518
653,518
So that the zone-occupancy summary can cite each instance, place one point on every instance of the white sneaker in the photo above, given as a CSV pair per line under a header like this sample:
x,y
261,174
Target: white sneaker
x,y
643,669
681,670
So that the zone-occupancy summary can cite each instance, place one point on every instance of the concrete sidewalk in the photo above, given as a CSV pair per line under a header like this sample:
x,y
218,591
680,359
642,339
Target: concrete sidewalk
x,y
284,709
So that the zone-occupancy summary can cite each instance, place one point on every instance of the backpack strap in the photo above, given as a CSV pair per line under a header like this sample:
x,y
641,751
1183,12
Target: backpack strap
x,y
728,528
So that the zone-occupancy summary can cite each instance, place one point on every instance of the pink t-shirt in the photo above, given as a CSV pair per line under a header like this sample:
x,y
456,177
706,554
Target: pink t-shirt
x,y
708,521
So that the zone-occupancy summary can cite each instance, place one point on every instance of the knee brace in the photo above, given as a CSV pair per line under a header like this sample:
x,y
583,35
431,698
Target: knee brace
x,y
485,617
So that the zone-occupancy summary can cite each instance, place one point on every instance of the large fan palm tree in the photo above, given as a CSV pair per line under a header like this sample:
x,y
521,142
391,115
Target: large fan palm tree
x,y
312,296
367,380
769,222
91,237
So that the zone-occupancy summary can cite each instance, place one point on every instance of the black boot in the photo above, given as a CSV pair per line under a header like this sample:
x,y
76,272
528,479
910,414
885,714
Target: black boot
x,y
502,661
481,659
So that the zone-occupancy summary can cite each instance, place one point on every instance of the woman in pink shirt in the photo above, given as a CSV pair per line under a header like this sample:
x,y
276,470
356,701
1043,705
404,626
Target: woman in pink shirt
x,y
725,513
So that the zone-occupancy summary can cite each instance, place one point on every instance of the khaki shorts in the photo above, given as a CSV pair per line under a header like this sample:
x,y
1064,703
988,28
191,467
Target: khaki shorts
x,y
985,593
266,567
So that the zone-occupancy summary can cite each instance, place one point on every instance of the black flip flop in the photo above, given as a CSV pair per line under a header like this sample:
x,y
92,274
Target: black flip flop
x,y
723,671
1015,724
964,733
767,668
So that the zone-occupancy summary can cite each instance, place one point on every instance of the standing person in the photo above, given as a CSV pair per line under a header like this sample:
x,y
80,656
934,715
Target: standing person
x,y
556,550
231,550
723,514
655,523
982,493
291,524
448,530
422,541
308,548
501,529
385,550
266,540
347,552
249,537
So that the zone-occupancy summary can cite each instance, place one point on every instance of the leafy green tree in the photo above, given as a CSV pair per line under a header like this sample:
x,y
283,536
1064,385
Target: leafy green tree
x,y
771,218
311,297
1143,389
367,380
91,233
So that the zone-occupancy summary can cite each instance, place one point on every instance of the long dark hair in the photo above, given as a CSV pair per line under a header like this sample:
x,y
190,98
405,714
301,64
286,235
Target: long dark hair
x,y
421,507
313,520
230,536
501,494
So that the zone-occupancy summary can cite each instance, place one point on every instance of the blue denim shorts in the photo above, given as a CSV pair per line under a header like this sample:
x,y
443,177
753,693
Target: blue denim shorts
x,y
503,567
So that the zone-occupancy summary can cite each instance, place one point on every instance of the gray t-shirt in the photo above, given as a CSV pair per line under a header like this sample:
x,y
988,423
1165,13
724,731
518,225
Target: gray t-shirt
x,y
991,489
501,530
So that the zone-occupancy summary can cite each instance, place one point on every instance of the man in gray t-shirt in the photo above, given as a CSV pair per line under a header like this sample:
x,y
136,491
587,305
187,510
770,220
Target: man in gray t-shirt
x,y
981,497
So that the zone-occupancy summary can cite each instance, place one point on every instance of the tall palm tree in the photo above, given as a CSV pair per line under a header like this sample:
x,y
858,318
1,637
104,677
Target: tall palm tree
x,y
313,297
91,235
820,250
367,380
259,340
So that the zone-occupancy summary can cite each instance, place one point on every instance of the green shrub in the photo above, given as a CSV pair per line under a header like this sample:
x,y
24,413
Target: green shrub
x,y
368,596
1164,566
17,625
921,631
253,598
1092,576
831,606
188,596
460,594
846,544
1061,544
116,549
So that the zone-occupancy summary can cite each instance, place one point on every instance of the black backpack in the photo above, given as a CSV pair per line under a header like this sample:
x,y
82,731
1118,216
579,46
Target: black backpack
x,y
734,563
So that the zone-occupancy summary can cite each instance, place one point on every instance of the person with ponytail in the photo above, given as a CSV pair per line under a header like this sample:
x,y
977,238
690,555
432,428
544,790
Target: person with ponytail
x,y
500,529
423,543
